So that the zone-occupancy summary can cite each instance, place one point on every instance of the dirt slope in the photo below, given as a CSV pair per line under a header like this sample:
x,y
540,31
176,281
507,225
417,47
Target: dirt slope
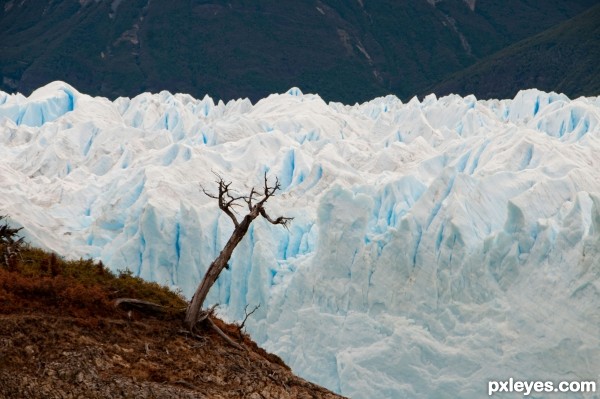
x,y
62,337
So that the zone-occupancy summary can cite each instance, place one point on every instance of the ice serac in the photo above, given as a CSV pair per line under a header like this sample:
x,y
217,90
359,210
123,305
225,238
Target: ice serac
x,y
43,105
436,245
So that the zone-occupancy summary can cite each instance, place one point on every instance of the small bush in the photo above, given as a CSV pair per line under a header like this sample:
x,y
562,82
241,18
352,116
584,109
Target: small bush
x,y
33,278
39,279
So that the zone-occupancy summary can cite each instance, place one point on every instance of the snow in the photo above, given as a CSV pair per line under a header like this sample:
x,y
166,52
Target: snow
x,y
436,244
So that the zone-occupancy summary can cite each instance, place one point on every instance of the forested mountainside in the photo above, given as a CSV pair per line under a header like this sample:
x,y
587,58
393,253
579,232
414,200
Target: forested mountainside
x,y
346,51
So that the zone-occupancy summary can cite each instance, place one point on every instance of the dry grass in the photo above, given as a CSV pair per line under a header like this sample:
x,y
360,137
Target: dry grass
x,y
37,279
62,336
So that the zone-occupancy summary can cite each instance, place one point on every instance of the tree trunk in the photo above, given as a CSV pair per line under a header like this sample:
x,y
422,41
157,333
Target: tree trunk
x,y
212,274
227,201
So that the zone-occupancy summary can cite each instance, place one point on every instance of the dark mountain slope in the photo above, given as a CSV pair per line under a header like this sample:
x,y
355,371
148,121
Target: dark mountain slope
x,y
564,59
344,50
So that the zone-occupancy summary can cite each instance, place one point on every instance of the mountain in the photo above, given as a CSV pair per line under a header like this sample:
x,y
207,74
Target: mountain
x,y
565,58
436,245
346,51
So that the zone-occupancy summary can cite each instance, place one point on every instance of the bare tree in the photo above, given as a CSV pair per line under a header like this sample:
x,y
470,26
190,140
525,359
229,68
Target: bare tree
x,y
227,198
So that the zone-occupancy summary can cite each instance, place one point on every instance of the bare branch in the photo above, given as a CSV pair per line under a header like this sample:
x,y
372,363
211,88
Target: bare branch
x,y
226,200
140,305
267,185
223,335
268,191
207,193
231,215
285,221
205,314
248,199
241,326
233,199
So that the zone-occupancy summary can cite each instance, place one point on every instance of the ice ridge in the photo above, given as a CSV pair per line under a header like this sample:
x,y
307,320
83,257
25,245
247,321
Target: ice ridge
x,y
436,244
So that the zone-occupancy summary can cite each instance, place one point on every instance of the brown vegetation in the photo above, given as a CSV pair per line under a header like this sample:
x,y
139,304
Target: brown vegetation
x,y
61,336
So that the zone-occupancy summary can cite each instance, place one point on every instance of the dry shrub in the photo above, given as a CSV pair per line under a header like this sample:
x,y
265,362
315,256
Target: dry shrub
x,y
53,294
81,288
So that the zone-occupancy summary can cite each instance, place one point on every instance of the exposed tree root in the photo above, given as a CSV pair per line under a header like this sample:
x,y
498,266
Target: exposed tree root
x,y
143,306
154,308
223,335
206,313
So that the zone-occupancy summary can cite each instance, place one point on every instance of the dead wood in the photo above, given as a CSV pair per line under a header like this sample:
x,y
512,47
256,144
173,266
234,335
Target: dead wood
x,y
223,335
243,323
227,201
143,306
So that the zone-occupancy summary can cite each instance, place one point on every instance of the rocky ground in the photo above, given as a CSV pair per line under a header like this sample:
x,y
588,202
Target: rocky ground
x,y
49,356
61,336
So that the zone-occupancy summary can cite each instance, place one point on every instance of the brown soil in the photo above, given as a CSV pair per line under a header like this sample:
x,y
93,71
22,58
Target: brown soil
x,y
56,342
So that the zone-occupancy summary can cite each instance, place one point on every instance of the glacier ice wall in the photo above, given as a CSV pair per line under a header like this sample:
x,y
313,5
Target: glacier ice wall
x,y
436,244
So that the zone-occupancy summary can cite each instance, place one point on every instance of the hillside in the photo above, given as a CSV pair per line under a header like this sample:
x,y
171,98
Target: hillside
x,y
61,336
346,51
564,59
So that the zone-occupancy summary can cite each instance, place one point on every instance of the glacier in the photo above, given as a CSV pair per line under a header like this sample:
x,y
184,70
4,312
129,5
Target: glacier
x,y
436,244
